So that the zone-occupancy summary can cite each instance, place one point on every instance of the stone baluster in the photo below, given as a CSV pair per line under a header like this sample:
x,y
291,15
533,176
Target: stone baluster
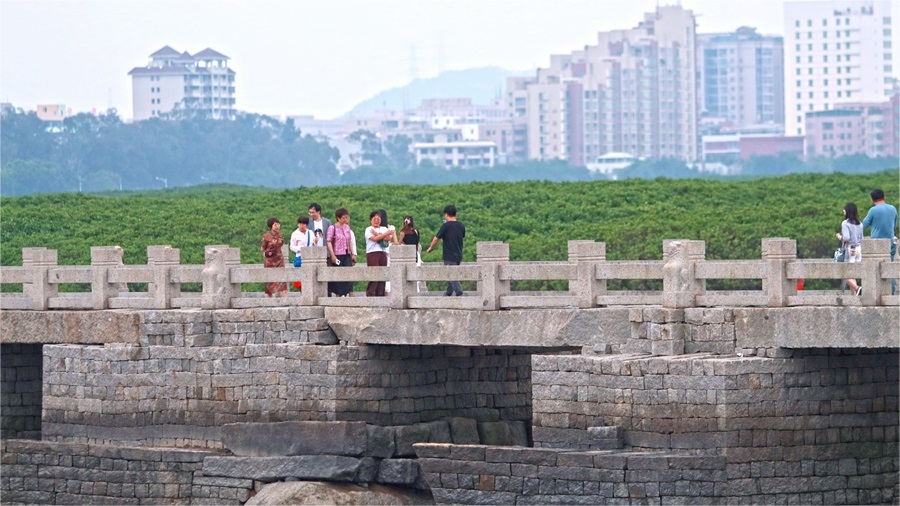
x,y
103,260
403,256
874,251
218,290
161,289
38,262
586,255
680,286
491,255
314,260
777,253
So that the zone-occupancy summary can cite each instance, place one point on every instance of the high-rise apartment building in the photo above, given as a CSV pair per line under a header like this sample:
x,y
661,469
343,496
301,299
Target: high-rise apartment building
x,y
202,82
633,92
835,51
741,78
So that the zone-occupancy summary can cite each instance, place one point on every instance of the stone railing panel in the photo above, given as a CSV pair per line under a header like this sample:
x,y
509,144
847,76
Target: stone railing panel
x,y
684,273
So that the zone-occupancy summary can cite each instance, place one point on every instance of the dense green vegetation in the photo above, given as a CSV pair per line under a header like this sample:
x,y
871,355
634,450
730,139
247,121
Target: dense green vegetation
x,y
535,218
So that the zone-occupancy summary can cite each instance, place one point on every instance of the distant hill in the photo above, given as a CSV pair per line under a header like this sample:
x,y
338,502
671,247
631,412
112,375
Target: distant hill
x,y
482,85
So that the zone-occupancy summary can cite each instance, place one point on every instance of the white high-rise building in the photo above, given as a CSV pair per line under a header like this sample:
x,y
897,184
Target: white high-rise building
x,y
202,82
835,51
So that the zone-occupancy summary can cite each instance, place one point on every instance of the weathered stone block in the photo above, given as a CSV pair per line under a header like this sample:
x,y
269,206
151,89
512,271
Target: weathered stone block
x,y
380,441
398,471
307,467
295,438
463,430
407,435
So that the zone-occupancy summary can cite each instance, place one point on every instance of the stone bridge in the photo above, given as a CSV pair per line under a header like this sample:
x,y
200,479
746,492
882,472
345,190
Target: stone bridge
x,y
140,390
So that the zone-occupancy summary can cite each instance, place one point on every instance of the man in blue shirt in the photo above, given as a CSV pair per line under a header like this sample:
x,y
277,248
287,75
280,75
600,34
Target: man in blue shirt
x,y
883,220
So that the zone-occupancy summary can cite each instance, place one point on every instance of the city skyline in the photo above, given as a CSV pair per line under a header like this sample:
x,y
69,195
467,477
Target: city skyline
x,y
297,58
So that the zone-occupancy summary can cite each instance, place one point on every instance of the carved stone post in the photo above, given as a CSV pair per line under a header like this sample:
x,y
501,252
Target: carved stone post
x,y
314,260
103,260
218,290
403,256
38,262
161,289
586,255
777,252
490,256
680,287
874,251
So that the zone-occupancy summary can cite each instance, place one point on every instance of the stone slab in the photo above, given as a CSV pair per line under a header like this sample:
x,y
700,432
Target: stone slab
x,y
295,438
307,467
543,328
70,327
836,327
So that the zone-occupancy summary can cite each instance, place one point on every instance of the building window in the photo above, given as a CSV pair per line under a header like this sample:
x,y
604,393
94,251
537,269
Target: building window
x,y
825,47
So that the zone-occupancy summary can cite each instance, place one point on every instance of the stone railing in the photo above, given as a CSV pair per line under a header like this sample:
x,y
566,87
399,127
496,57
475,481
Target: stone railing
x,y
683,272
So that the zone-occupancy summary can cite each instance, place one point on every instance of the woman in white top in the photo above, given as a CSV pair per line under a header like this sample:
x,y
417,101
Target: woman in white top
x,y
850,237
302,237
378,238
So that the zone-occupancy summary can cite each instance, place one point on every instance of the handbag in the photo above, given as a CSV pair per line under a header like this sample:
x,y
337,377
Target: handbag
x,y
839,255
384,244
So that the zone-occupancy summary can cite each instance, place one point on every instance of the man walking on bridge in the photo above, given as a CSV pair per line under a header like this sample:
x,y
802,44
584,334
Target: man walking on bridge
x,y
452,232
883,220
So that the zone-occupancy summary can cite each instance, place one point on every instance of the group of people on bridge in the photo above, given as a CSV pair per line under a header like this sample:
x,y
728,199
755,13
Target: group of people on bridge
x,y
881,218
315,230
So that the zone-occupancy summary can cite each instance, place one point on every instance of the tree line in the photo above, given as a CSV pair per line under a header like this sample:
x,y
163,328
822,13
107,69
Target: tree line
x,y
98,153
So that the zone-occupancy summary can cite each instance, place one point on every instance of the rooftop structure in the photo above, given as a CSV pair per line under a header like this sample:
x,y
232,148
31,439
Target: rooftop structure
x,y
172,80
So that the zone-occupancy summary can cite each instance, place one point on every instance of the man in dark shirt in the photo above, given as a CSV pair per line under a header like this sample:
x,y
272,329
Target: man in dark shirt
x,y
452,232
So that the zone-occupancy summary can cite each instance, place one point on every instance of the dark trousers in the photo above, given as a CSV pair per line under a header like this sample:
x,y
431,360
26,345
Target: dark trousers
x,y
376,259
453,286
341,288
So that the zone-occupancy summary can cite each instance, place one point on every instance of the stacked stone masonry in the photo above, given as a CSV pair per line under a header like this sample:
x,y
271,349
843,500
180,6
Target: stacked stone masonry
x,y
20,390
195,371
673,406
817,427
41,472
490,475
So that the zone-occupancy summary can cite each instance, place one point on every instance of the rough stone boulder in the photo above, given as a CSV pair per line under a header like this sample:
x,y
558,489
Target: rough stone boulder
x,y
313,493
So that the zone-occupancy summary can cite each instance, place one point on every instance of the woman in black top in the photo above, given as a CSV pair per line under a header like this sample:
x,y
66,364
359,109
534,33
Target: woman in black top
x,y
409,234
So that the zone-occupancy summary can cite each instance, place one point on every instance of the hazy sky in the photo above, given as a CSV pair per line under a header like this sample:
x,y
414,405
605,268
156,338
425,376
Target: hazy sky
x,y
318,57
